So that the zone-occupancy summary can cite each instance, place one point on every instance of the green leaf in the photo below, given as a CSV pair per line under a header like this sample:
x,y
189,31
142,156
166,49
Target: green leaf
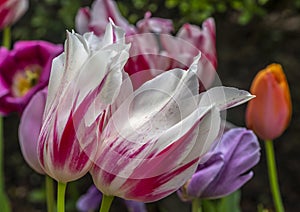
x,y
4,203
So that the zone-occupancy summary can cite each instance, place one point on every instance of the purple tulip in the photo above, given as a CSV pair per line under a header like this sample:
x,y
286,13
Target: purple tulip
x,y
227,168
24,71
29,129
92,199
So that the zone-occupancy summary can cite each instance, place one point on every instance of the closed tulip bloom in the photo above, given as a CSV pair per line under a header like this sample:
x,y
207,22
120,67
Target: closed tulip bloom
x,y
269,114
11,11
226,169
24,70
96,18
203,39
84,81
151,144
29,129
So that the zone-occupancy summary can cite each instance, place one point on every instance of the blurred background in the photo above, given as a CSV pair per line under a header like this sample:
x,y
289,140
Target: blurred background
x,y
250,35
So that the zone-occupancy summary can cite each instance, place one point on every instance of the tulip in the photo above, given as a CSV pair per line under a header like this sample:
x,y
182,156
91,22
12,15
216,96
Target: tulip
x,y
151,144
91,200
84,81
157,52
155,25
226,169
203,39
96,18
29,129
24,71
269,114
11,11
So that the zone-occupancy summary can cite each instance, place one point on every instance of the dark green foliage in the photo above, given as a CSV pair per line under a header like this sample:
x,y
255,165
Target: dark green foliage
x,y
48,19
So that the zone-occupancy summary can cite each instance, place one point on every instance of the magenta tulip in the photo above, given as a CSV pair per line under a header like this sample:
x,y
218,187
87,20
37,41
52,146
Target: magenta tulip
x,y
24,71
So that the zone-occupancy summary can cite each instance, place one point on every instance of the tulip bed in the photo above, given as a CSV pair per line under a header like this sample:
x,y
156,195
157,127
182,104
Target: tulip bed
x,y
130,126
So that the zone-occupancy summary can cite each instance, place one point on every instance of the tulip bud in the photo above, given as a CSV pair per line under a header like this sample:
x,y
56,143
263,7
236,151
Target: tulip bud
x,y
11,11
269,114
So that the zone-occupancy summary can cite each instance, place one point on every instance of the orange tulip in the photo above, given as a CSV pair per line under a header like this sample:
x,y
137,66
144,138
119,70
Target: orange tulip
x,y
269,114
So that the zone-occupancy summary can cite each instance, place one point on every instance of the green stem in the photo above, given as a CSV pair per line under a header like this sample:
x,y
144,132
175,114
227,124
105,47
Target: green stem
x,y
4,202
273,176
1,156
61,190
106,203
49,193
6,40
196,207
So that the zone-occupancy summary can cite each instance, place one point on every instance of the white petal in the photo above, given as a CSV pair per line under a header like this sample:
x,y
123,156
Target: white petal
x,y
158,105
55,79
224,97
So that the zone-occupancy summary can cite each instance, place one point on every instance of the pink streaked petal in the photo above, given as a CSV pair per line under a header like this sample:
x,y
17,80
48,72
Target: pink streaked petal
x,y
155,25
11,11
82,19
152,188
101,11
181,51
143,161
203,39
64,158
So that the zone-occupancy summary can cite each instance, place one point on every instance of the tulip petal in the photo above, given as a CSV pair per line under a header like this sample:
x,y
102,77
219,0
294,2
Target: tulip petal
x,y
29,129
203,39
100,13
11,11
225,97
82,19
134,206
241,150
155,25
204,175
129,178
89,201
74,57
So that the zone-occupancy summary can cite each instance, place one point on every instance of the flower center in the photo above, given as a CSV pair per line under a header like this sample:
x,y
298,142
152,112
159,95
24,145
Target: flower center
x,y
24,80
